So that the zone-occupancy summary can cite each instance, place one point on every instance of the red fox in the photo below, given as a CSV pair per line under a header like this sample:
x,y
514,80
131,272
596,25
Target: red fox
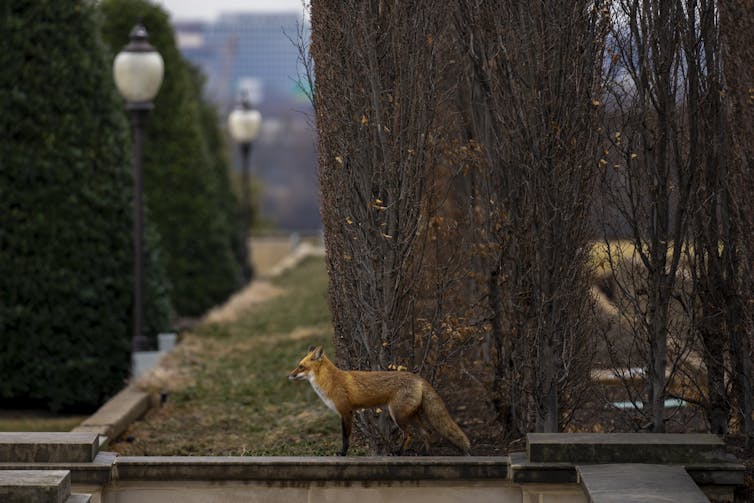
x,y
407,396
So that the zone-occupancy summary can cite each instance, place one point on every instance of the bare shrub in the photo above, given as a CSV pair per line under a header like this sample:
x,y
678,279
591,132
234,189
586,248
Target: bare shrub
x,y
533,88
377,68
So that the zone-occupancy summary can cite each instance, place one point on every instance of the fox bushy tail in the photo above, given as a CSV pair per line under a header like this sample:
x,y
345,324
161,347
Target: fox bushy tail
x,y
435,413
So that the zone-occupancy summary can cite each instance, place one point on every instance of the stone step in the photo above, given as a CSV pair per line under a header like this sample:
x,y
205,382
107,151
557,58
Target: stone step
x,y
660,448
34,486
42,447
638,483
79,498
97,472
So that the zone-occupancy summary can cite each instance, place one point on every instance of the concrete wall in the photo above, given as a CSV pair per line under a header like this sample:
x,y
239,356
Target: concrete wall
x,y
333,492
557,469
207,479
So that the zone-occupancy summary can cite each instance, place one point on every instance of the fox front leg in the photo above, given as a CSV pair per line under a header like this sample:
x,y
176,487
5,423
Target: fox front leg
x,y
345,424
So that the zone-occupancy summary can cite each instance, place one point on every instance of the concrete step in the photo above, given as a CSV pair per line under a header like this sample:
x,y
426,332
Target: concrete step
x,y
638,483
35,486
659,448
97,472
42,447
79,498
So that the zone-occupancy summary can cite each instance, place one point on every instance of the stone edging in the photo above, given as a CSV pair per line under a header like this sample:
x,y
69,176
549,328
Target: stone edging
x,y
116,414
299,469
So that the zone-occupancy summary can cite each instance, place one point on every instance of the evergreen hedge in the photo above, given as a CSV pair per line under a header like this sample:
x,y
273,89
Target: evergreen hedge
x,y
228,200
65,211
182,184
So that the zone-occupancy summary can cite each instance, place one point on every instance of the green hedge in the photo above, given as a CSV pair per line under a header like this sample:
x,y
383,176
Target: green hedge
x,y
228,201
181,181
65,211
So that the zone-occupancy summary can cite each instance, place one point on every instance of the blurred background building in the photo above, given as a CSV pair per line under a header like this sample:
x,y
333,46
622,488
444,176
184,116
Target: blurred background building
x,y
257,52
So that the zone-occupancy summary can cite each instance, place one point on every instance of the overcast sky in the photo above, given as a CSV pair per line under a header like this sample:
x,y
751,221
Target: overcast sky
x,y
209,9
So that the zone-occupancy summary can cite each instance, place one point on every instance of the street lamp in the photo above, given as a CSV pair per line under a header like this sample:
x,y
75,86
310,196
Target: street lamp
x,y
138,71
244,123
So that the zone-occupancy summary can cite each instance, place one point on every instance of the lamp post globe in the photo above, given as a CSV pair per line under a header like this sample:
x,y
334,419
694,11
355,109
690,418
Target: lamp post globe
x,y
244,123
138,70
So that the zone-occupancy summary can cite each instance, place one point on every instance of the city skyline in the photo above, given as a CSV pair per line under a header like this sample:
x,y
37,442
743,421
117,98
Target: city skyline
x,y
250,51
201,10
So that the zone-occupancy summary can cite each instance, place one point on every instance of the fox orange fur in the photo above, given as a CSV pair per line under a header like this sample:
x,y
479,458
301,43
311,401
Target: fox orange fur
x,y
407,397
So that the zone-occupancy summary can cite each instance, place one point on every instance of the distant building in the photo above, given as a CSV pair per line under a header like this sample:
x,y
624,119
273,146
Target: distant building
x,y
191,38
244,47
255,52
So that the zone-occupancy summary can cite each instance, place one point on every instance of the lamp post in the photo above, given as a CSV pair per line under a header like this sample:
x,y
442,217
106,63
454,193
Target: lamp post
x,y
244,123
138,71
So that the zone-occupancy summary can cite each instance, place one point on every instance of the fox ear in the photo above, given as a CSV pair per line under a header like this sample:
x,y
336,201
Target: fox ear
x,y
317,353
312,348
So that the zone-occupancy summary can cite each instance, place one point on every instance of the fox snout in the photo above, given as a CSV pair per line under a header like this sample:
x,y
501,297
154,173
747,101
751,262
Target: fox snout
x,y
295,375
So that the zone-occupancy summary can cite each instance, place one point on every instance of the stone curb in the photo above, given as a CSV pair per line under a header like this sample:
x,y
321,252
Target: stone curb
x,y
661,448
116,414
309,469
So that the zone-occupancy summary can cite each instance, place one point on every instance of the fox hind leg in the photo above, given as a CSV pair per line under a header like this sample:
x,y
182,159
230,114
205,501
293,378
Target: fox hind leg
x,y
403,416
402,420
421,425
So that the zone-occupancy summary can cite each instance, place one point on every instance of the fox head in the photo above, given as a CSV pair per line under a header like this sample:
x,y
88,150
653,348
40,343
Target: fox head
x,y
308,366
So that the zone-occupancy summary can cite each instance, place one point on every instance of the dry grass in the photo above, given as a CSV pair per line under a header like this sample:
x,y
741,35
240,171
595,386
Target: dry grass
x,y
37,420
256,293
267,251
